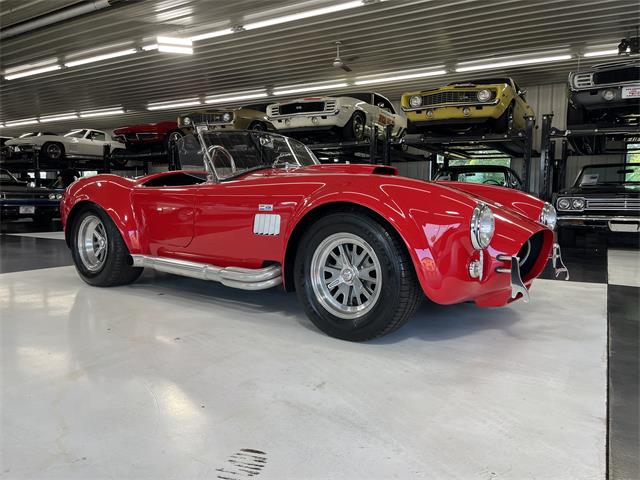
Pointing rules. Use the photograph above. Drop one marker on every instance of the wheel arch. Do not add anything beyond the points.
(319, 211)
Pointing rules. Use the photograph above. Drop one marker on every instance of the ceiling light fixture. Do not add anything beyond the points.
(102, 112)
(24, 121)
(511, 63)
(185, 42)
(601, 53)
(234, 97)
(30, 66)
(98, 58)
(395, 78)
(308, 88)
(301, 15)
(58, 117)
(153, 46)
(35, 71)
(175, 49)
(217, 33)
(174, 104)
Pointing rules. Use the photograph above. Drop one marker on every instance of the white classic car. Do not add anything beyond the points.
(352, 117)
(79, 143)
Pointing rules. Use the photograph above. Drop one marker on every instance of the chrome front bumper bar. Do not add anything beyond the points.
(517, 286)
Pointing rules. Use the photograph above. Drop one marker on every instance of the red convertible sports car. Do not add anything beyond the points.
(359, 244)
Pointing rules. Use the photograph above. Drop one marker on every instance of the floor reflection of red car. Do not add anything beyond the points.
(153, 136)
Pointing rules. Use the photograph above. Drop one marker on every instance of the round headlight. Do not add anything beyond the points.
(608, 95)
(466, 111)
(186, 121)
(415, 101)
(564, 204)
(548, 216)
(577, 204)
(484, 95)
(226, 117)
(429, 113)
(59, 196)
(52, 196)
(483, 226)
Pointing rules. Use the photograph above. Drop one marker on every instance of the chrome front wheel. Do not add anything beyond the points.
(93, 245)
(346, 275)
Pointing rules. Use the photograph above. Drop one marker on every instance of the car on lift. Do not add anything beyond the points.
(497, 175)
(352, 116)
(148, 136)
(249, 117)
(359, 244)
(495, 105)
(23, 199)
(605, 95)
(78, 143)
(603, 196)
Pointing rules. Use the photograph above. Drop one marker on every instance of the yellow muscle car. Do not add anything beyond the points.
(249, 117)
(495, 104)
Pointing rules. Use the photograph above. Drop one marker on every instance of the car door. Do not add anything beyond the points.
(386, 114)
(164, 215)
(96, 141)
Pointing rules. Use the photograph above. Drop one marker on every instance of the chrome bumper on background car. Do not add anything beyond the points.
(236, 277)
(614, 223)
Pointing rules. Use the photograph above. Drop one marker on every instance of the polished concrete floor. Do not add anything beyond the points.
(176, 378)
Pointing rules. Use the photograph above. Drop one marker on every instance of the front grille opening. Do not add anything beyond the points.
(529, 254)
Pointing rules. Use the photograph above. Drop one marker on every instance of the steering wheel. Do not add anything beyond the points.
(491, 181)
(218, 150)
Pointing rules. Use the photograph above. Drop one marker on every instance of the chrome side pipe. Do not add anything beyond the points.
(235, 277)
(517, 286)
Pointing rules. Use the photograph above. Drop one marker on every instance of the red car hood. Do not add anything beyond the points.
(160, 127)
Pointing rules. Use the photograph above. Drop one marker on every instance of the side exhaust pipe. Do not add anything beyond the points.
(235, 277)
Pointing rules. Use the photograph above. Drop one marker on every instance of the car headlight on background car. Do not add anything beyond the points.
(548, 216)
(483, 226)
(577, 204)
(226, 117)
(571, 203)
(52, 196)
(415, 101)
(608, 95)
(564, 204)
(484, 95)
(186, 121)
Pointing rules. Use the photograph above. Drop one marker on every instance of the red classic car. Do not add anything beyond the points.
(359, 244)
(147, 135)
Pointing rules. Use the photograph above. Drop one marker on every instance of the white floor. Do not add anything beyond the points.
(169, 377)
(624, 267)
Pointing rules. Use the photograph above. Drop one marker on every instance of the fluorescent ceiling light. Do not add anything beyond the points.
(98, 58)
(512, 63)
(153, 46)
(601, 53)
(308, 88)
(175, 49)
(234, 97)
(174, 104)
(58, 117)
(395, 78)
(217, 33)
(185, 42)
(301, 15)
(30, 66)
(102, 112)
(24, 121)
(35, 71)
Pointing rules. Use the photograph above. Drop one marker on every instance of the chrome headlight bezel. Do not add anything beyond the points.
(415, 101)
(549, 216)
(578, 204)
(484, 95)
(483, 226)
(571, 204)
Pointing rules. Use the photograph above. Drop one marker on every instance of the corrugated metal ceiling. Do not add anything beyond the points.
(385, 37)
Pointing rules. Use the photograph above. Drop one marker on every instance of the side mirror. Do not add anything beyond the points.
(522, 92)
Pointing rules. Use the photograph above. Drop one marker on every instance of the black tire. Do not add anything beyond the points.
(52, 152)
(117, 267)
(118, 157)
(399, 295)
(504, 123)
(258, 126)
(354, 129)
